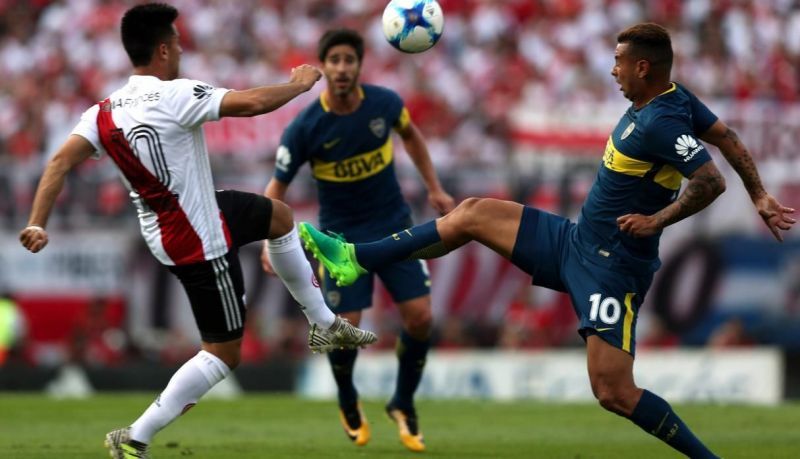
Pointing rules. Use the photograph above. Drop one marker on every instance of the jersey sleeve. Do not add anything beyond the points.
(400, 117)
(403, 121)
(87, 128)
(702, 117)
(672, 140)
(195, 102)
(291, 153)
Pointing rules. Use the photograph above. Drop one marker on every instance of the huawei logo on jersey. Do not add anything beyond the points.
(687, 146)
(202, 91)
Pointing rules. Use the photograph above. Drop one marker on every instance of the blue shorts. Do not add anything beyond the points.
(404, 280)
(606, 298)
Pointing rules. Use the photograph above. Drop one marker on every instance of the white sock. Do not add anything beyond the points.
(196, 377)
(291, 265)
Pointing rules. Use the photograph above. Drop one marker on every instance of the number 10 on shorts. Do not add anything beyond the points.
(608, 309)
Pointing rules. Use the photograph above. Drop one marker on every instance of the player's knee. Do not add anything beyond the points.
(467, 214)
(614, 398)
(232, 361)
(231, 357)
(419, 324)
(229, 352)
(609, 401)
(282, 219)
(468, 206)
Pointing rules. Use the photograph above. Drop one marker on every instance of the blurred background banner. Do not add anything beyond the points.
(516, 102)
(753, 376)
(84, 263)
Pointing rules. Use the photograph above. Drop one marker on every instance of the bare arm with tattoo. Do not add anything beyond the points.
(774, 214)
(737, 155)
(705, 184)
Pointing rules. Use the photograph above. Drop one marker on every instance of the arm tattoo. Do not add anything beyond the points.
(741, 160)
(701, 190)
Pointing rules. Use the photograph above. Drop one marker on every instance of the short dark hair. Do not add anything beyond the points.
(336, 37)
(144, 27)
(651, 42)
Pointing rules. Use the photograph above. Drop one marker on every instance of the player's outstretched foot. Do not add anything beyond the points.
(337, 255)
(341, 335)
(407, 427)
(120, 445)
(355, 424)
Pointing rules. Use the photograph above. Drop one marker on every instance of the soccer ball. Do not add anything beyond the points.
(413, 26)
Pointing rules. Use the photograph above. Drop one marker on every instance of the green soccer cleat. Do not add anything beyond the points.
(120, 446)
(337, 255)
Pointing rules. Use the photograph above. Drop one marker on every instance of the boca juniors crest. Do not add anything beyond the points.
(628, 131)
(378, 127)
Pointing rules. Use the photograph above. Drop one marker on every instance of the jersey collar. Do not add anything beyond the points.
(672, 88)
(143, 77)
(324, 103)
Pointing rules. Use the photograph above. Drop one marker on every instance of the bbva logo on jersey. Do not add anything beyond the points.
(687, 146)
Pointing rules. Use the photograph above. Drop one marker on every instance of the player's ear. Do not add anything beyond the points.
(642, 68)
(162, 51)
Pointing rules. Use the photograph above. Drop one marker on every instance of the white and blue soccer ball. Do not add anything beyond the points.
(413, 26)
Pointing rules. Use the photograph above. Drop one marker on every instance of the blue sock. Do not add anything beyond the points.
(421, 241)
(411, 355)
(342, 362)
(655, 416)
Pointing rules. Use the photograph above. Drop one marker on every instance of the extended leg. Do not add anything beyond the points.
(290, 264)
(611, 375)
(491, 222)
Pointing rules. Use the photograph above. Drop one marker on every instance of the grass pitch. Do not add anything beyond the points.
(282, 426)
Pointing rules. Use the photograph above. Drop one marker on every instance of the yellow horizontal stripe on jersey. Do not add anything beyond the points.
(669, 178)
(619, 162)
(354, 168)
(404, 119)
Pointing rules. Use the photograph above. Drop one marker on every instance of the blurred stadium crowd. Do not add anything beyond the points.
(496, 57)
(58, 57)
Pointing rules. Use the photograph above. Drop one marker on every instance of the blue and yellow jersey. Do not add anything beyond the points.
(352, 160)
(646, 157)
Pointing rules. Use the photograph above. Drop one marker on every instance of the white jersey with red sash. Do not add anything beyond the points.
(152, 130)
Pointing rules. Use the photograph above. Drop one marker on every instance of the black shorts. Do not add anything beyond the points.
(216, 287)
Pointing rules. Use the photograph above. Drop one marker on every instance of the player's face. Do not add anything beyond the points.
(341, 68)
(625, 71)
(174, 52)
